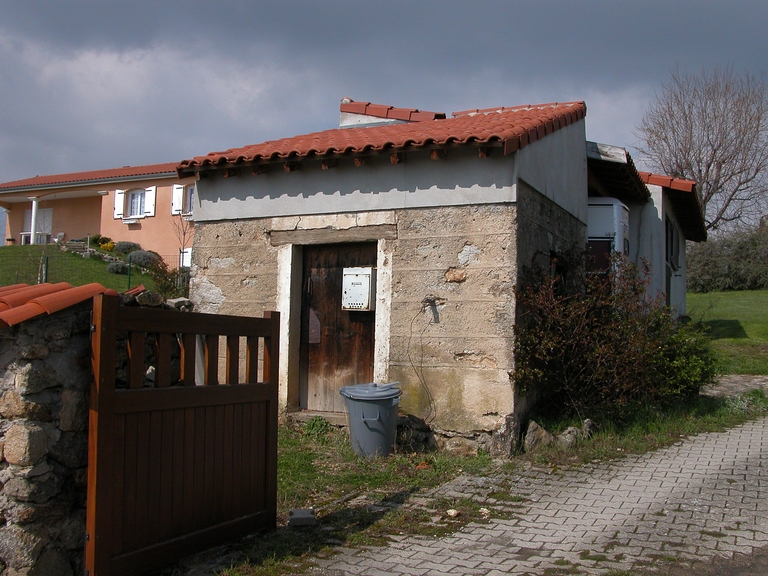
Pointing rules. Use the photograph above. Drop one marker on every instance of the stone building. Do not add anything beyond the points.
(447, 212)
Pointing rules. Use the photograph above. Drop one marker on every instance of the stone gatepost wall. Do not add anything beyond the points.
(45, 378)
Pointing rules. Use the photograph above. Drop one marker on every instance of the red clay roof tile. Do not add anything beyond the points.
(668, 181)
(384, 111)
(685, 201)
(514, 128)
(20, 302)
(167, 169)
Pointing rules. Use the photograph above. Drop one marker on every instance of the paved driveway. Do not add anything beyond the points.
(702, 498)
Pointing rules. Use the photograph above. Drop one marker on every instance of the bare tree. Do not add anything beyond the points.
(183, 228)
(712, 128)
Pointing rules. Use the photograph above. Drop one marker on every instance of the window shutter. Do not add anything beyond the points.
(177, 199)
(149, 201)
(119, 204)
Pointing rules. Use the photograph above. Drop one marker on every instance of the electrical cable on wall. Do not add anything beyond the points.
(428, 301)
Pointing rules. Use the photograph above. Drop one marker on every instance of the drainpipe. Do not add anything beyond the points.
(33, 224)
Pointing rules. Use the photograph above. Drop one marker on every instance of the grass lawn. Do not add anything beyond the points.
(23, 263)
(737, 322)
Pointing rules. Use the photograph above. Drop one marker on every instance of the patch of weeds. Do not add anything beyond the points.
(562, 571)
(664, 558)
(562, 562)
(619, 557)
(660, 513)
(317, 428)
(587, 555)
(713, 533)
(506, 496)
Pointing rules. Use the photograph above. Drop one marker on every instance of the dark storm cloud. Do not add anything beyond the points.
(98, 84)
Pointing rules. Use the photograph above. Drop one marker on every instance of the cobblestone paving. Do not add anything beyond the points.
(704, 497)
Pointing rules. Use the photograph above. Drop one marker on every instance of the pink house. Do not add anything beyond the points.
(149, 205)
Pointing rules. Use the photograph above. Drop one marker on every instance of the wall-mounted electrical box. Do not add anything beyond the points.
(358, 289)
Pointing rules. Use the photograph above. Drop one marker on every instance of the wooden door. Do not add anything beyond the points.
(336, 346)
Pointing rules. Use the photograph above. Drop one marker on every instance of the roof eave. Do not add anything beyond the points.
(88, 183)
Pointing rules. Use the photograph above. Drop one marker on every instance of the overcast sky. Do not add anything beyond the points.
(94, 84)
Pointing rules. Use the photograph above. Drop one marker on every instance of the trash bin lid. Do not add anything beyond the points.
(371, 391)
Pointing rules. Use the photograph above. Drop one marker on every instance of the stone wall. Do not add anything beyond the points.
(45, 379)
(452, 319)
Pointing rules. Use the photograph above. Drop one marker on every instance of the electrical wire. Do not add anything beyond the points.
(420, 370)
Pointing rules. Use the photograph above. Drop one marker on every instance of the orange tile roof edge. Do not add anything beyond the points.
(668, 181)
(685, 199)
(48, 302)
(165, 170)
(509, 128)
(389, 112)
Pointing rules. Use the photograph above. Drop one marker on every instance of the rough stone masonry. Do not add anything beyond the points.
(45, 379)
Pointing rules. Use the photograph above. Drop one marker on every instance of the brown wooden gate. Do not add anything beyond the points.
(174, 467)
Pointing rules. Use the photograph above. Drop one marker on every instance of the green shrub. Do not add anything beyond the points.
(117, 268)
(735, 261)
(124, 247)
(144, 259)
(171, 283)
(601, 343)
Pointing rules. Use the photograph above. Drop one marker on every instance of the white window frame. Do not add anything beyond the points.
(182, 199)
(124, 204)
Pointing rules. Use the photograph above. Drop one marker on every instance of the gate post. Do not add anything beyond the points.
(99, 503)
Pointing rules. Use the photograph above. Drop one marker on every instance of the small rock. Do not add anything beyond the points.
(151, 299)
(301, 517)
(456, 275)
(25, 444)
(536, 436)
(452, 513)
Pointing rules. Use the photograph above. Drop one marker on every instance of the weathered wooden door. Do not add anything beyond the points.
(336, 346)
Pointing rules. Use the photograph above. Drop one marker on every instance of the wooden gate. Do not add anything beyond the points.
(174, 467)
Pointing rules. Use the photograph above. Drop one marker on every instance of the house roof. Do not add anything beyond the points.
(508, 128)
(685, 201)
(21, 302)
(614, 168)
(91, 178)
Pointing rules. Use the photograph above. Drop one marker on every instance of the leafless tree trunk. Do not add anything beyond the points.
(712, 128)
(183, 228)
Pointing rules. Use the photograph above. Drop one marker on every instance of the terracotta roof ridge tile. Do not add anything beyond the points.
(46, 298)
(668, 181)
(20, 297)
(388, 112)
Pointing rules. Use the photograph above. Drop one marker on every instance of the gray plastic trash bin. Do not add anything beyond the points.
(372, 414)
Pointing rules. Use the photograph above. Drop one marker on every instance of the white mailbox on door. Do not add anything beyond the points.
(358, 289)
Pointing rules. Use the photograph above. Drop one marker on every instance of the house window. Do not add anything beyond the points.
(183, 200)
(189, 198)
(136, 204)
